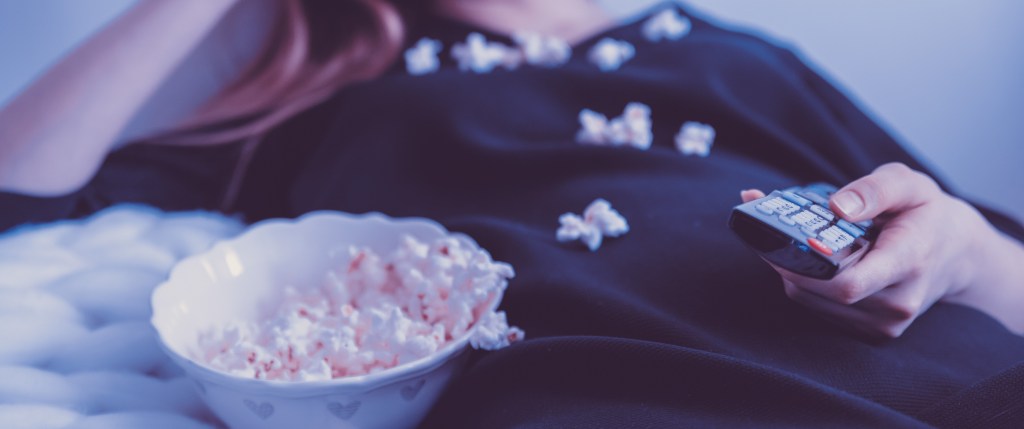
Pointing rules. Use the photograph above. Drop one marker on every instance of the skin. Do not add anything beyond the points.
(932, 247)
(570, 20)
(55, 134)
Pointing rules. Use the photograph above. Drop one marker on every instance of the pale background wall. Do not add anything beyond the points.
(946, 76)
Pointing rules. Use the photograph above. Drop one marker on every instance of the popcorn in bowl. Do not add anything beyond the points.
(370, 313)
(331, 320)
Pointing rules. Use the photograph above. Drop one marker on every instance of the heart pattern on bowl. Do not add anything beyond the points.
(409, 392)
(343, 412)
(263, 411)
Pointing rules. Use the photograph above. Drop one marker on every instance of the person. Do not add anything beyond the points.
(673, 324)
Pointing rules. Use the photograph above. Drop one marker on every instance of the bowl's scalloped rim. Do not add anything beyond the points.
(352, 384)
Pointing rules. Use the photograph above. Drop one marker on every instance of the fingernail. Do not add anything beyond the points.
(849, 203)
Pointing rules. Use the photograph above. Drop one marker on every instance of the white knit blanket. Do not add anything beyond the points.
(76, 347)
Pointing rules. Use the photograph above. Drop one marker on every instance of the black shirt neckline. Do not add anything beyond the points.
(450, 31)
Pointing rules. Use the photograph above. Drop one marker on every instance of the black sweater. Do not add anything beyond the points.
(675, 324)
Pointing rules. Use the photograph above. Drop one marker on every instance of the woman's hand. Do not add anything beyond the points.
(931, 246)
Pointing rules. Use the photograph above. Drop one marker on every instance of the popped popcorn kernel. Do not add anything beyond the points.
(574, 228)
(633, 128)
(695, 138)
(666, 25)
(599, 220)
(609, 54)
(493, 333)
(422, 58)
(481, 56)
(543, 51)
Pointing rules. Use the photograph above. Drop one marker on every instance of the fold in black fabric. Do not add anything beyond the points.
(20, 209)
(631, 383)
(675, 324)
(995, 403)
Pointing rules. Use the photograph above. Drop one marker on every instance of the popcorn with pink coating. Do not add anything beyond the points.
(668, 25)
(371, 313)
(598, 221)
(695, 138)
(633, 128)
(493, 332)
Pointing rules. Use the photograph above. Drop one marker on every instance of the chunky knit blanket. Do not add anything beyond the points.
(76, 347)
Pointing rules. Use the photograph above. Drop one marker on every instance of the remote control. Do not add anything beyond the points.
(794, 229)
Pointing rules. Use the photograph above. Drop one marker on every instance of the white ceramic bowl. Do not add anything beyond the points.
(229, 284)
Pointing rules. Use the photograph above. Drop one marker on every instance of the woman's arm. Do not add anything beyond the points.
(999, 285)
(56, 133)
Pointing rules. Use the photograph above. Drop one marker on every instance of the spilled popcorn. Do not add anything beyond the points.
(371, 313)
(599, 220)
(666, 25)
(543, 51)
(633, 128)
(695, 138)
(481, 56)
(422, 58)
(609, 54)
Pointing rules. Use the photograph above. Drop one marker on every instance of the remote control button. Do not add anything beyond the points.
(780, 206)
(831, 232)
(817, 198)
(850, 228)
(823, 212)
(810, 220)
(831, 239)
(838, 237)
(763, 208)
(796, 199)
(844, 239)
(787, 208)
(804, 217)
(819, 246)
(809, 232)
(787, 220)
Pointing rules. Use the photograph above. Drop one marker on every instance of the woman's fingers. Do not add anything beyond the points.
(900, 303)
(884, 315)
(751, 195)
(895, 257)
(859, 318)
(890, 188)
